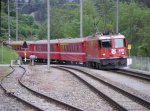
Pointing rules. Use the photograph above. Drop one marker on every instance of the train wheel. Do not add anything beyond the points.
(97, 65)
(84, 64)
(94, 65)
(89, 64)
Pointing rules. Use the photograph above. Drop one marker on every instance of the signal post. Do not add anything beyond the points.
(25, 46)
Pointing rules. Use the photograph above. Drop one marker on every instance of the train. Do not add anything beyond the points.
(97, 51)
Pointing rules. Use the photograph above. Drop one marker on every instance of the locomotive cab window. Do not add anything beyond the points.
(119, 43)
(105, 44)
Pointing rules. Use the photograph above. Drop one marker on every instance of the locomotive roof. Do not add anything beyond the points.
(111, 36)
(101, 37)
(72, 40)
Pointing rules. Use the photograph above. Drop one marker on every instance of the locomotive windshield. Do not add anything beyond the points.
(119, 43)
(105, 44)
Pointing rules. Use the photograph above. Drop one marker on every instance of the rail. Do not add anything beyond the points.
(135, 74)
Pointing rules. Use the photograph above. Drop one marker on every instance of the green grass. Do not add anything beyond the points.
(6, 55)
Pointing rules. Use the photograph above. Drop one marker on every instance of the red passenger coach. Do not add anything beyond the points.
(72, 50)
(106, 51)
(39, 49)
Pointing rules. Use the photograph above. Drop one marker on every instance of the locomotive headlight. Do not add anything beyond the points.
(103, 54)
(122, 53)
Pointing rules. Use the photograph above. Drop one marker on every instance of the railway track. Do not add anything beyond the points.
(118, 98)
(31, 98)
(14, 96)
(138, 75)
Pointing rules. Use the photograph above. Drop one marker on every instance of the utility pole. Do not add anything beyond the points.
(117, 16)
(48, 34)
(8, 21)
(16, 20)
(81, 18)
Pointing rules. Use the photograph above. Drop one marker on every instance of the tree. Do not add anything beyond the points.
(134, 23)
(105, 14)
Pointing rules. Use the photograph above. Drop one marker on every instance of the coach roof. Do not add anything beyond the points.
(19, 42)
(45, 41)
(72, 40)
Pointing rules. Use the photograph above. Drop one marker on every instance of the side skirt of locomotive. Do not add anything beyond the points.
(106, 63)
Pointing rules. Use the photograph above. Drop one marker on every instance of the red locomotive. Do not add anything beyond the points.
(98, 51)
(106, 51)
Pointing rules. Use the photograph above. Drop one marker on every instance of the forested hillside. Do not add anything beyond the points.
(98, 16)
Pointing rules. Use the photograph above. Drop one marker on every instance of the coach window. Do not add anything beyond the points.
(17, 47)
(68, 48)
(119, 43)
(80, 47)
(51, 48)
(73, 48)
(105, 44)
(45, 47)
(64, 48)
(41, 47)
(76, 48)
(37, 48)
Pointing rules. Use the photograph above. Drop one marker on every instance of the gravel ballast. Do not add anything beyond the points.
(64, 87)
(8, 103)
